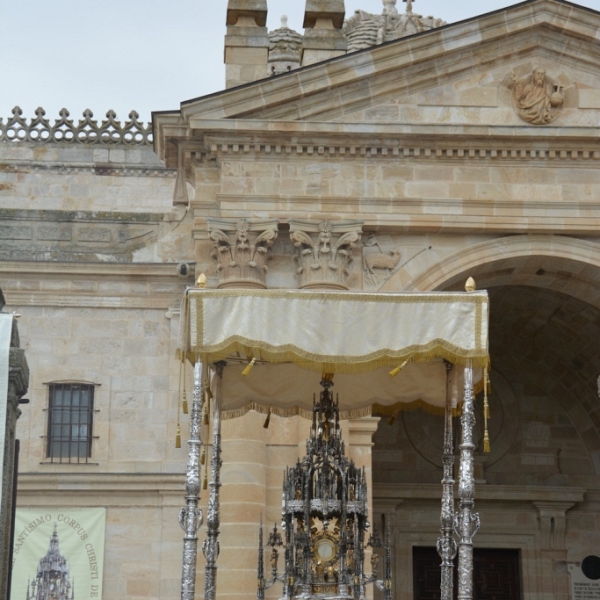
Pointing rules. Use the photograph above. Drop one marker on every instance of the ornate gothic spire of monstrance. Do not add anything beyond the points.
(324, 518)
(52, 581)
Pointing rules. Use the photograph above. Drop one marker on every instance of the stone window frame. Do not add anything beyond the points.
(70, 457)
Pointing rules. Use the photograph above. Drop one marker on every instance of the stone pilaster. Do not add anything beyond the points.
(323, 37)
(18, 381)
(241, 250)
(324, 252)
(246, 42)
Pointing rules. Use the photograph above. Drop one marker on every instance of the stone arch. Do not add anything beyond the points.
(562, 258)
(545, 322)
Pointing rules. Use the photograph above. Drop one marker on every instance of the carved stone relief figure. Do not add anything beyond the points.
(379, 260)
(536, 99)
(324, 252)
(241, 250)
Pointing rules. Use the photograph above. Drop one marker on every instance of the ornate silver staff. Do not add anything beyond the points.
(210, 547)
(466, 523)
(190, 517)
(446, 545)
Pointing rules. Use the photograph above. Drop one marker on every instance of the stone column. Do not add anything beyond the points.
(324, 252)
(241, 250)
(323, 37)
(243, 500)
(360, 450)
(18, 382)
(246, 42)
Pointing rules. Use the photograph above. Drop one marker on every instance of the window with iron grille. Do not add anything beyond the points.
(70, 420)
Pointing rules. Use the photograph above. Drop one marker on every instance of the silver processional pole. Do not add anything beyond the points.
(190, 517)
(210, 546)
(466, 522)
(446, 544)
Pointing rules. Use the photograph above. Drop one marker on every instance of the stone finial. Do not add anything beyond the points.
(285, 49)
(389, 7)
(323, 37)
(324, 252)
(329, 10)
(364, 30)
(241, 250)
(255, 9)
(246, 42)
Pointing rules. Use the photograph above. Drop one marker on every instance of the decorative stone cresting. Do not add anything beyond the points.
(65, 130)
(242, 250)
(324, 252)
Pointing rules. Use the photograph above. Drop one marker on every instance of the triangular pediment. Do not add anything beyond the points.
(458, 74)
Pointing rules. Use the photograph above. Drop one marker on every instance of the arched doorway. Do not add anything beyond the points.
(537, 487)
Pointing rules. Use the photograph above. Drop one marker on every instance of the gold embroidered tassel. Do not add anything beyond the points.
(247, 370)
(486, 443)
(486, 413)
(178, 437)
(206, 409)
(184, 404)
(268, 419)
(205, 481)
(397, 370)
(203, 455)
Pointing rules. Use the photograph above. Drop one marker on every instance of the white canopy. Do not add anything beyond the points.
(359, 336)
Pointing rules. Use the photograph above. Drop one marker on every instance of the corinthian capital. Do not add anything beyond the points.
(241, 250)
(324, 252)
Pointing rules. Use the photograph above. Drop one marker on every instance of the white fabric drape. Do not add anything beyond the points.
(340, 332)
(357, 336)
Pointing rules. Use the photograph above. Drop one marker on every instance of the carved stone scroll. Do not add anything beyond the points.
(242, 250)
(324, 252)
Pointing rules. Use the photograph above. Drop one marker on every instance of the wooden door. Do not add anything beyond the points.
(495, 574)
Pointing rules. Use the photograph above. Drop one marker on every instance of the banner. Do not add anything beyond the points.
(5, 335)
(58, 553)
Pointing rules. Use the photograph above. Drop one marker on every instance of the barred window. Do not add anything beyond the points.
(70, 420)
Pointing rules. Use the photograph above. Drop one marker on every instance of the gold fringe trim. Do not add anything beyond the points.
(394, 409)
(291, 411)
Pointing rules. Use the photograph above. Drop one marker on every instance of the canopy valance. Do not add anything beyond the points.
(335, 332)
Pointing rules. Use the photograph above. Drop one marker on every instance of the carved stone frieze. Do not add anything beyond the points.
(324, 252)
(241, 250)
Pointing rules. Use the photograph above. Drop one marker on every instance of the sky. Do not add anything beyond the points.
(141, 55)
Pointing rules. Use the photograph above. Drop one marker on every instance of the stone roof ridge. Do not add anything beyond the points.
(87, 130)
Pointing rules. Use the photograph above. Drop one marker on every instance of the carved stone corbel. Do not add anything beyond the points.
(241, 250)
(553, 523)
(324, 252)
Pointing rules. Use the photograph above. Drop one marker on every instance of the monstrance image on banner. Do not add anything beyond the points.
(58, 554)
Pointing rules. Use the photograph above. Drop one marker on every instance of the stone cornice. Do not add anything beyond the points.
(87, 270)
(139, 285)
(104, 489)
(485, 493)
(430, 215)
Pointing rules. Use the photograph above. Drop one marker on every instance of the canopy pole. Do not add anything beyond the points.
(210, 547)
(466, 521)
(190, 517)
(446, 545)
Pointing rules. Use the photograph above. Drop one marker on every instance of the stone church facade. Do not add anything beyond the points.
(413, 152)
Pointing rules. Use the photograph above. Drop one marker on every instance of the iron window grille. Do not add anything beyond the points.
(70, 422)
